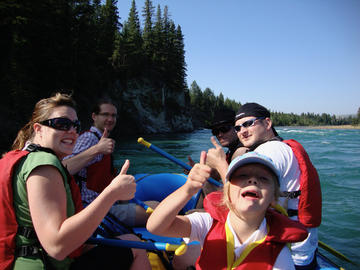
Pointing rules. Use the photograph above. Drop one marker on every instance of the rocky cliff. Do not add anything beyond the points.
(146, 108)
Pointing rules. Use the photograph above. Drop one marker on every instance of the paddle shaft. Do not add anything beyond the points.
(334, 252)
(127, 243)
(173, 159)
(147, 208)
(179, 249)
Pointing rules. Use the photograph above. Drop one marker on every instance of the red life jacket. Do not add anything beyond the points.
(99, 174)
(8, 223)
(310, 202)
(281, 230)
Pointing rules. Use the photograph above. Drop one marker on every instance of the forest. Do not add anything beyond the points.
(83, 47)
(205, 103)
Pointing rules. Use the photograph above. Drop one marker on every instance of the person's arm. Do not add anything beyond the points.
(75, 163)
(59, 234)
(165, 220)
(216, 158)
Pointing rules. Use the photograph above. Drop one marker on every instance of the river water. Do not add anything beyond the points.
(334, 152)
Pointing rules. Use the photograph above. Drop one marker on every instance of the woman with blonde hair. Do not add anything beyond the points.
(53, 227)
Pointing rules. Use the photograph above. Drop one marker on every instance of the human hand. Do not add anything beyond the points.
(198, 175)
(215, 155)
(124, 184)
(191, 163)
(105, 145)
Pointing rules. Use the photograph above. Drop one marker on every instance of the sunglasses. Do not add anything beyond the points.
(62, 123)
(223, 129)
(248, 123)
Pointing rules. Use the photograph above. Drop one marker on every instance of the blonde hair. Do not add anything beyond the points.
(42, 110)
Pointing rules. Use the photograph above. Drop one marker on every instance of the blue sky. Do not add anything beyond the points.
(288, 55)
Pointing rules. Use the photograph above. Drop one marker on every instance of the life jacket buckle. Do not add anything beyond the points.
(290, 194)
(27, 232)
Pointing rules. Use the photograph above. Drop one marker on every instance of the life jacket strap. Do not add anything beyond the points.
(34, 251)
(292, 212)
(27, 232)
(290, 194)
(29, 250)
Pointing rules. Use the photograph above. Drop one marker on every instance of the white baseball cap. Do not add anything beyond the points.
(249, 158)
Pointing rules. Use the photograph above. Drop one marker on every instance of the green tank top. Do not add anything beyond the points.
(21, 205)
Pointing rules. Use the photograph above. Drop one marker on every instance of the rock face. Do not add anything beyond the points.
(149, 109)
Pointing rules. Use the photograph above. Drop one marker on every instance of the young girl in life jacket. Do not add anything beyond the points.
(238, 230)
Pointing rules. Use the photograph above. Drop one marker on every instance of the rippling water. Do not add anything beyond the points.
(335, 154)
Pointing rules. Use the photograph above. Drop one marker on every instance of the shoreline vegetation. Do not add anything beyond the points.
(324, 127)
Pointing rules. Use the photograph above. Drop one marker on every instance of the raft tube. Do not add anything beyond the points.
(156, 187)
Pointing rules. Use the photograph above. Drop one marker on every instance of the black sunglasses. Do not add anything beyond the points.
(248, 123)
(62, 123)
(223, 129)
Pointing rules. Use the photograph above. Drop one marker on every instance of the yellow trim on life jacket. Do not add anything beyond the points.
(230, 248)
(280, 209)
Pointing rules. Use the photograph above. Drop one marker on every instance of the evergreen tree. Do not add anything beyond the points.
(220, 102)
(195, 94)
(109, 27)
(158, 57)
(179, 61)
(127, 58)
(148, 45)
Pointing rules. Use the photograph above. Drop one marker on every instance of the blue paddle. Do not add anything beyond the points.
(179, 249)
(173, 159)
(147, 208)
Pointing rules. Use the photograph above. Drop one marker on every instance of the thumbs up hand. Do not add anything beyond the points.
(124, 185)
(215, 155)
(198, 175)
(105, 145)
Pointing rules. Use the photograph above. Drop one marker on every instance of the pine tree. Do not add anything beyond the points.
(180, 59)
(148, 46)
(127, 58)
(158, 57)
(108, 28)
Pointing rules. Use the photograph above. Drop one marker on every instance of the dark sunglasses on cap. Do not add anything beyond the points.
(223, 129)
(248, 123)
(62, 123)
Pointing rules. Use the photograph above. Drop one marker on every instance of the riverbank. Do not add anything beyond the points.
(329, 127)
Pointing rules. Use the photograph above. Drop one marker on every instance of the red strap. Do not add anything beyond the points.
(76, 196)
